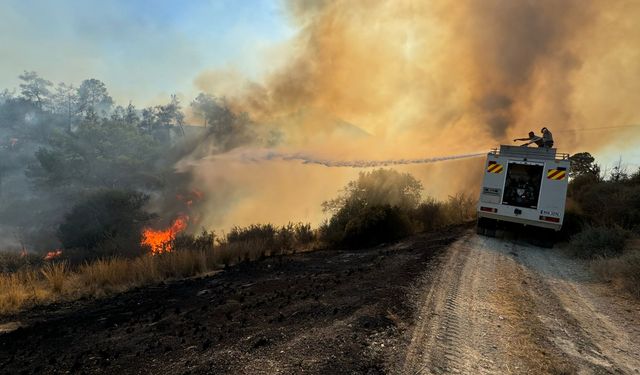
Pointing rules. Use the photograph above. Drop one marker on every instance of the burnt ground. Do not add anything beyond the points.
(325, 312)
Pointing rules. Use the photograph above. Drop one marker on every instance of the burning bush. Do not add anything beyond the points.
(107, 223)
(161, 241)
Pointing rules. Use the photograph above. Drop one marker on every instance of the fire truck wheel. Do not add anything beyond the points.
(479, 228)
(490, 232)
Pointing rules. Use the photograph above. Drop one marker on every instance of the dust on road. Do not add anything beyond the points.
(499, 306)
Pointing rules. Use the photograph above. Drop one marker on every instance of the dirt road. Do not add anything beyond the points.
(499, 306)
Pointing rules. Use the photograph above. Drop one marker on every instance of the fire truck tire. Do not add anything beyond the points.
(479, 228)
(486, 227)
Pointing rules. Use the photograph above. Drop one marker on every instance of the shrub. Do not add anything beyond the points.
(429, 215)
(269, 239)
(372, 209)
(331, 232)
(303, 233)
(572, 224)
(580, 183)
(285, 238)
(205, 241)
(264, 232)
(384, 205)
(624, 270)
(107, 223)
(13, 261)
(224, 254)
(375, 225)
(459, 208)
(378, 188)
(595, 242)
(611, 203)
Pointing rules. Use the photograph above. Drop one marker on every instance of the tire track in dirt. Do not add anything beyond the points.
(588, 321)
(449, 337)
(495, 306)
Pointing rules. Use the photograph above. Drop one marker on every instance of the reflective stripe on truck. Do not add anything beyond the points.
(494, 167)
(557, 173)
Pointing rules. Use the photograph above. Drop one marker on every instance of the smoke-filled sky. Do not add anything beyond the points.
(143, 50)
(344, 80)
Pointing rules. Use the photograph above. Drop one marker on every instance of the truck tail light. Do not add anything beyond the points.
(550, 219)
(488, 209)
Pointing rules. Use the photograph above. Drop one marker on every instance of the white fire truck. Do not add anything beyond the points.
(523, 185)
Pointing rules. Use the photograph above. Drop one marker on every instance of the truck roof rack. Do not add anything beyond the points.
(529, 152)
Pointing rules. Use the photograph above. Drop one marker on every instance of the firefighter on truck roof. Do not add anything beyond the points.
(547, 137)
(532, 138)
(545, 141)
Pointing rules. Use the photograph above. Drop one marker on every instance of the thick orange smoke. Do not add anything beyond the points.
(159, 241)
(415, 79)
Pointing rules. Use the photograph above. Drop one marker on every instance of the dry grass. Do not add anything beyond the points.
(23, 287)
(56, 275)
(107, 275)
(623, 271)
(57, 281)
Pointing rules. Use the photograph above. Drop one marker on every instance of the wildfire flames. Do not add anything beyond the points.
(160, 240)
(53, 254)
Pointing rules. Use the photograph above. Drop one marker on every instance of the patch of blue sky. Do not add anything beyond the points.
(142, 49)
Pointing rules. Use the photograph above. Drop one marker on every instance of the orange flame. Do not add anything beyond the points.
(160, 240)
(53, 254)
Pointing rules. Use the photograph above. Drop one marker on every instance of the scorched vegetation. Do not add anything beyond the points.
(380, 206)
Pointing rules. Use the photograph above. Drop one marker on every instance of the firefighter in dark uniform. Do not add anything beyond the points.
(547, 138)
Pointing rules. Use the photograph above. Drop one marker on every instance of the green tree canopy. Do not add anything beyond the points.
(105, 153)
(34, 88)
(108, 222)
(583, 163)
(93, 96)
